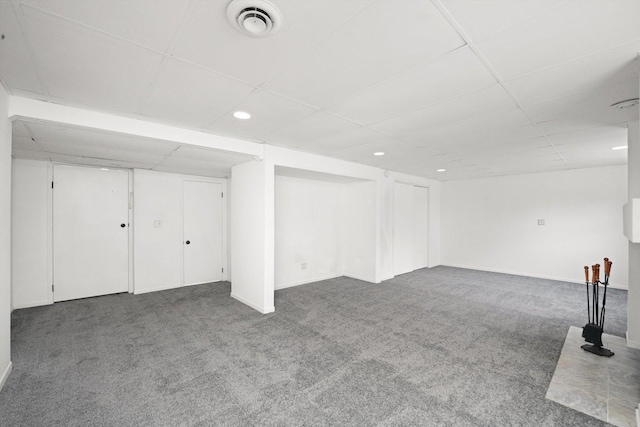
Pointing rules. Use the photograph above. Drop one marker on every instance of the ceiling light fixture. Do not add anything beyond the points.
(627, 103)
(242, 115)
(620, 147)
(441, 170)
(256, 18)
(379, 153)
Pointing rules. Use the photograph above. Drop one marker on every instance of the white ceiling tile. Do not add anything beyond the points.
(208, 38)
(189, 94)
(29, 154)
(597, 156)
(392, 149)
(606, 137)
(598, 99)
(24, 143)
(212, 171)
(269, 112)
(84, 66)
(194, 167)
(209, 155)
(357, 57)
(89, 161)
(589, 73)
(317, 126)
(452, 110)
(147, 22)
(531, 151)
(519, 137)
(52, 133)
(480, 19)
(455, 74)
(570, 31)
(592, 119)
(100, 152)
(592, 162)
(513, 120)
(17, 70)
(346, 140)
(513, 167)
(19, 128)
(28, 94)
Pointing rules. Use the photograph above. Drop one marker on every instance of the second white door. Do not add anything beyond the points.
(202, 239)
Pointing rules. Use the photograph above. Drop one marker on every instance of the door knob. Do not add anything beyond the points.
(122, 225)
(187, 242)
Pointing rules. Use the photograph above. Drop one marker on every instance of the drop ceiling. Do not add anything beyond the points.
(479, 88)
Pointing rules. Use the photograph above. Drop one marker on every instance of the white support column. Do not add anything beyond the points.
(5, 237)
(633, 310)
(252, 235)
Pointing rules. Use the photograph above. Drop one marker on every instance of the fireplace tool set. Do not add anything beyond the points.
(592, 331)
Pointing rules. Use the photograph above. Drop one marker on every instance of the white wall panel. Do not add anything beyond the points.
(360, 240)
(309, 219)
(30, 225)
(492, 224)
(403, 232)
(5, 237)
(633, 311)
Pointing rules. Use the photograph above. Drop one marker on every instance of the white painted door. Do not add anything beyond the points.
(420, 227)
(90, 232)
(202, 232)
(403, 257)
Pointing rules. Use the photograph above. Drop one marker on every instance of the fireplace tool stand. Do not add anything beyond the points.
(592, 331)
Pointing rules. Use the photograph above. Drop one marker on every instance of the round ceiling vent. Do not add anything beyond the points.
(257, 18)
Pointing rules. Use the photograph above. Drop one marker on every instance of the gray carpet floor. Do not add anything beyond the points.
(441, 346)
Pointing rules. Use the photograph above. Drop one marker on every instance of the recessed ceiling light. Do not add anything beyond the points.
(620, 147)
(104, 169)
(242, 115)
(441, 170)
(379, 153)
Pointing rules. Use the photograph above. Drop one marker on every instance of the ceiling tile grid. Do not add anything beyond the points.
(476, 86)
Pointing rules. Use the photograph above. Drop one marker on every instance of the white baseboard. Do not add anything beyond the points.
(5, 375)
(632, 344)
(252, 305)
(537, 276)
(306, 281)
(31, 304)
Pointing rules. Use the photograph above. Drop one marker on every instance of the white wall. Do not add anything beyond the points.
(491, 224)
(633, 300)
(30, 231)
(361, 231)
(158, 261)
(5, 237)
(308, 229)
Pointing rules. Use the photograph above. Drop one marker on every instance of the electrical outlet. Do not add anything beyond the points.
(541, 222)
(303, 266)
